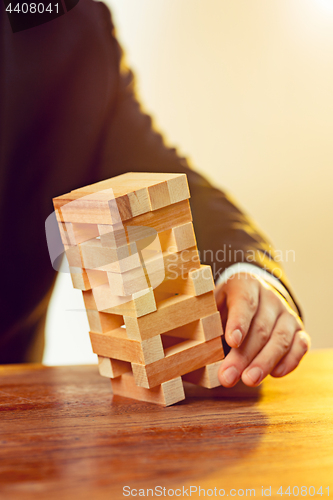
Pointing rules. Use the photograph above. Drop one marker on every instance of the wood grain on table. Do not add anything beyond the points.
(64, 436)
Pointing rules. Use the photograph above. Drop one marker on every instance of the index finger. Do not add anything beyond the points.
(242, 300)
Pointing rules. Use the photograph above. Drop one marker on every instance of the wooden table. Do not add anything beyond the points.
(64, 436)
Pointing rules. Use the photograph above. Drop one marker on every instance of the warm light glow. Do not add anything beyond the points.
(245, 88)
(327, 4)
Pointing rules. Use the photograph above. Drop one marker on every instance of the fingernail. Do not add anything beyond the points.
(278, 372)
(236, 337)
(255, 375)
(230, 375)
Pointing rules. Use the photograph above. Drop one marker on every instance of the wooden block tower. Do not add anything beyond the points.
(153, 319)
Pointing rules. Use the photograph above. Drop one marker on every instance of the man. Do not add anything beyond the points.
(69, 118)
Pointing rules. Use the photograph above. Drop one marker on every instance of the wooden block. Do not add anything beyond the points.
(156, 268)
(117, 193)
(196, 282)
(86, 279)
(164, 189)
(115, 344)
(92, 255)
(121, 198)
(66, 233)
(212, 325)
(160, 220)
(128, 283)
(179, 359)
(121, 259)
(207, 376)
(103, 322)
(92, 208)
(174, 265)
(73, 234)
(73, 255)
(166, 394)
(159, 195)
(80, 278)
(89, 300)
(176, 183)
(202, 329)
(142, 192)
(171, 313)
(202, 280)
(165, 272)
(112, 236)
(143, 237)
(136, 305)
(178, 189)
(139, 201)
(178, 238)
(112, 368)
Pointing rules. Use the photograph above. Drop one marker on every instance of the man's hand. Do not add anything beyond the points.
(265, 334)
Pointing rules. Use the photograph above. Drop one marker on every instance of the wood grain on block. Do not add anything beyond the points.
(103, 322)
(178, 238)
(85, 279)
(115, 344)
(171, 313)
(125, 184)
(121, 259)
(58, 215)
(207, 376)
(89, 300)
(157, 270)
(66, 233)
(212, 325)
(161, 266)
(112, 236)
(166, 394)
(112, 368)
(73, 255)
(178, 189)
(128, 283)
(176, 183)
(144, 237)
(196, 282)
(80, 278)
(136, 305)
(159, 195)
(99, 207)
(202, 329)
(160, 220)
(73, 234)
(163, 189)
(132, 194)
(179, 359)
(172, 265)
(202, 280)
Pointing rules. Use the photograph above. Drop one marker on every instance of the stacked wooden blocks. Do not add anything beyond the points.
(153, 319)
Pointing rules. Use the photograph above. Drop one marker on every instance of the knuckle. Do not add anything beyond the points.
(283, 336)
(250, 298)
(262, 330)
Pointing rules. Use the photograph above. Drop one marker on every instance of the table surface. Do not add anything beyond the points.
(63, 435)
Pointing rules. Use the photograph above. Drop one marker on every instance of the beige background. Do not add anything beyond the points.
(244, 88)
